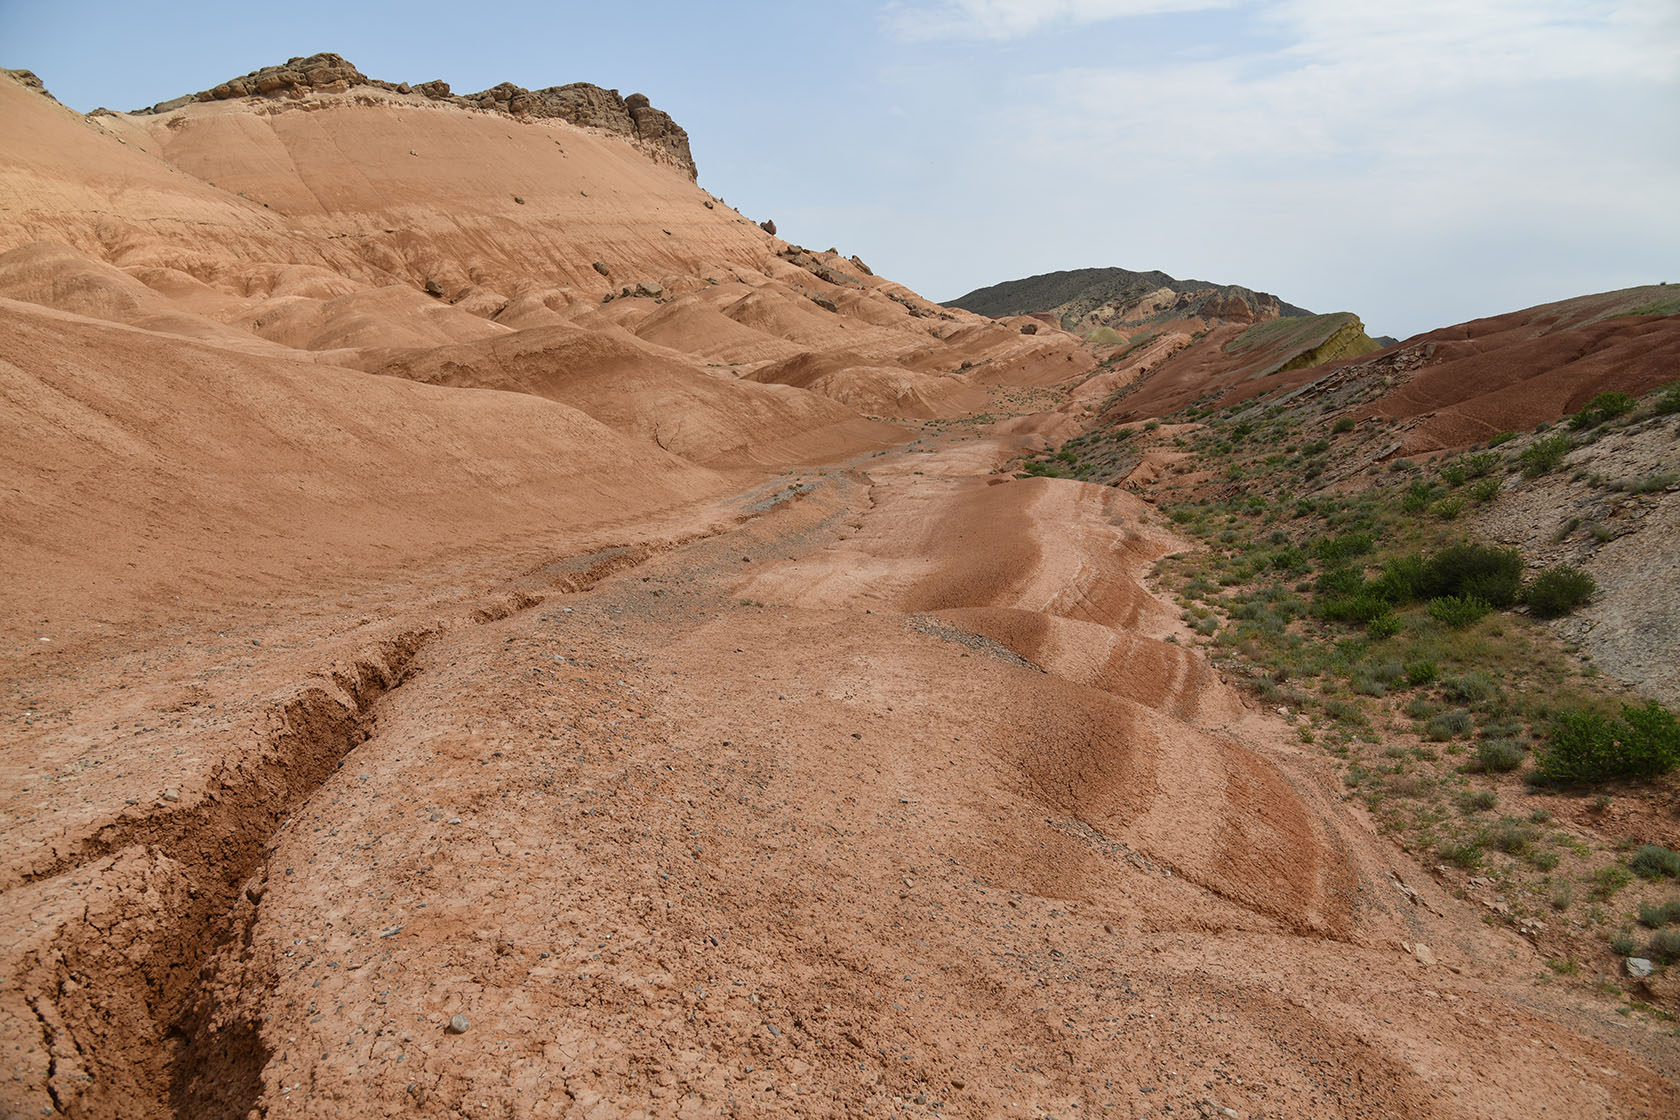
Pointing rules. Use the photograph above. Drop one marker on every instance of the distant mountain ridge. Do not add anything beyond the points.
(1085, 299)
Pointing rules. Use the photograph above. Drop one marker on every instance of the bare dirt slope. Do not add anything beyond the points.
(436, 688)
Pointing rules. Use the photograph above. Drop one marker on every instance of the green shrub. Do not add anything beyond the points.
(1493, 574)
(1512, 837)
(1482, 463)
(1385, 625)
(1420, 672)
(1448, 725)
(1468, 688)
(1559, 590)
(1544, 454)
(1364, 683)
(1623, 944)
(1605, 406)
(1342, 547)
(1665, 946)
(1466, 854)
(1662, 914)
(1498, 438)
(1653, 861)
(1455, 472)
(1345, 424)
(1486, 489)
(1608, 880)
(1354, 608)
(1458, 611)
(1418, 496)
(1669, 402)
(1498, 756)
(1338, 582)
(1585, 746)
(1480, 801)
(1403, 579)
(1448, 509)
(1289, 559)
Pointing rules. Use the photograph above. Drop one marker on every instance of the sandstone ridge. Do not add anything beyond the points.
(580, 103)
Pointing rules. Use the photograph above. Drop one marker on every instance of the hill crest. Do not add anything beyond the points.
(1086, 299)
(581, 103)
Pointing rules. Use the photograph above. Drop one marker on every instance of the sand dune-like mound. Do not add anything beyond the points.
(699, 327)
(52, 274)
(178, 448)
(646, 397)
(877, 390)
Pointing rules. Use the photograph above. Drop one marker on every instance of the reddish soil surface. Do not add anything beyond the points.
(603, 712)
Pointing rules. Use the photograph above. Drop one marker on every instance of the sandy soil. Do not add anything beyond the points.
(508, 701)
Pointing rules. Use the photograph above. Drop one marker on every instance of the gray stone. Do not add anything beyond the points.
(459, 1024)
(1639, 967)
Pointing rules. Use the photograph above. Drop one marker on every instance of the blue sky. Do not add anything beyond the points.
(1419, 162)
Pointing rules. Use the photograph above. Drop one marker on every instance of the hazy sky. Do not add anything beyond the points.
(1419, 162)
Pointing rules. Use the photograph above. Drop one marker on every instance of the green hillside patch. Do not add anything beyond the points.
(1300, 343)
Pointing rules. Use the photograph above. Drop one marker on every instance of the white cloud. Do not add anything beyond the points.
(1011, 19)
(1416, 160)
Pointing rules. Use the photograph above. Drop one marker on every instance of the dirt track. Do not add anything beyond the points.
(806, 814)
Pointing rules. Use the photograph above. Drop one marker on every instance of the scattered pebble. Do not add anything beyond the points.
(459, 1024)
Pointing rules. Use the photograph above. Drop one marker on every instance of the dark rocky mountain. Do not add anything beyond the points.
(1085, 299)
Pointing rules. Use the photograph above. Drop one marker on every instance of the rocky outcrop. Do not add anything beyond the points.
(588, 106)
(1088, 299)
(28, 80)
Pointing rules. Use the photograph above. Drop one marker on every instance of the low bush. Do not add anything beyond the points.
(1480, 801)
(1557, 591)
(1608, 880)
(1385, 625)
(1586, 746)
(1664, 946)
(1498, 756)
(1544, 454)
(1653, 861)
(1363, 607)
(1482, 463)
(1468, 688)
(1458, 611)
(1342, 547)
(1466, 853)
(1662, 914)
(1448, 725)
(1486, 489)
(1493, 574)
(1511, 837)
(1605, 406)
(1448, 509)
(1420, 672)
(1669, 402)
(1623, 945)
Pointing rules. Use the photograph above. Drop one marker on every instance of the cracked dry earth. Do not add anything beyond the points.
(879, 791)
